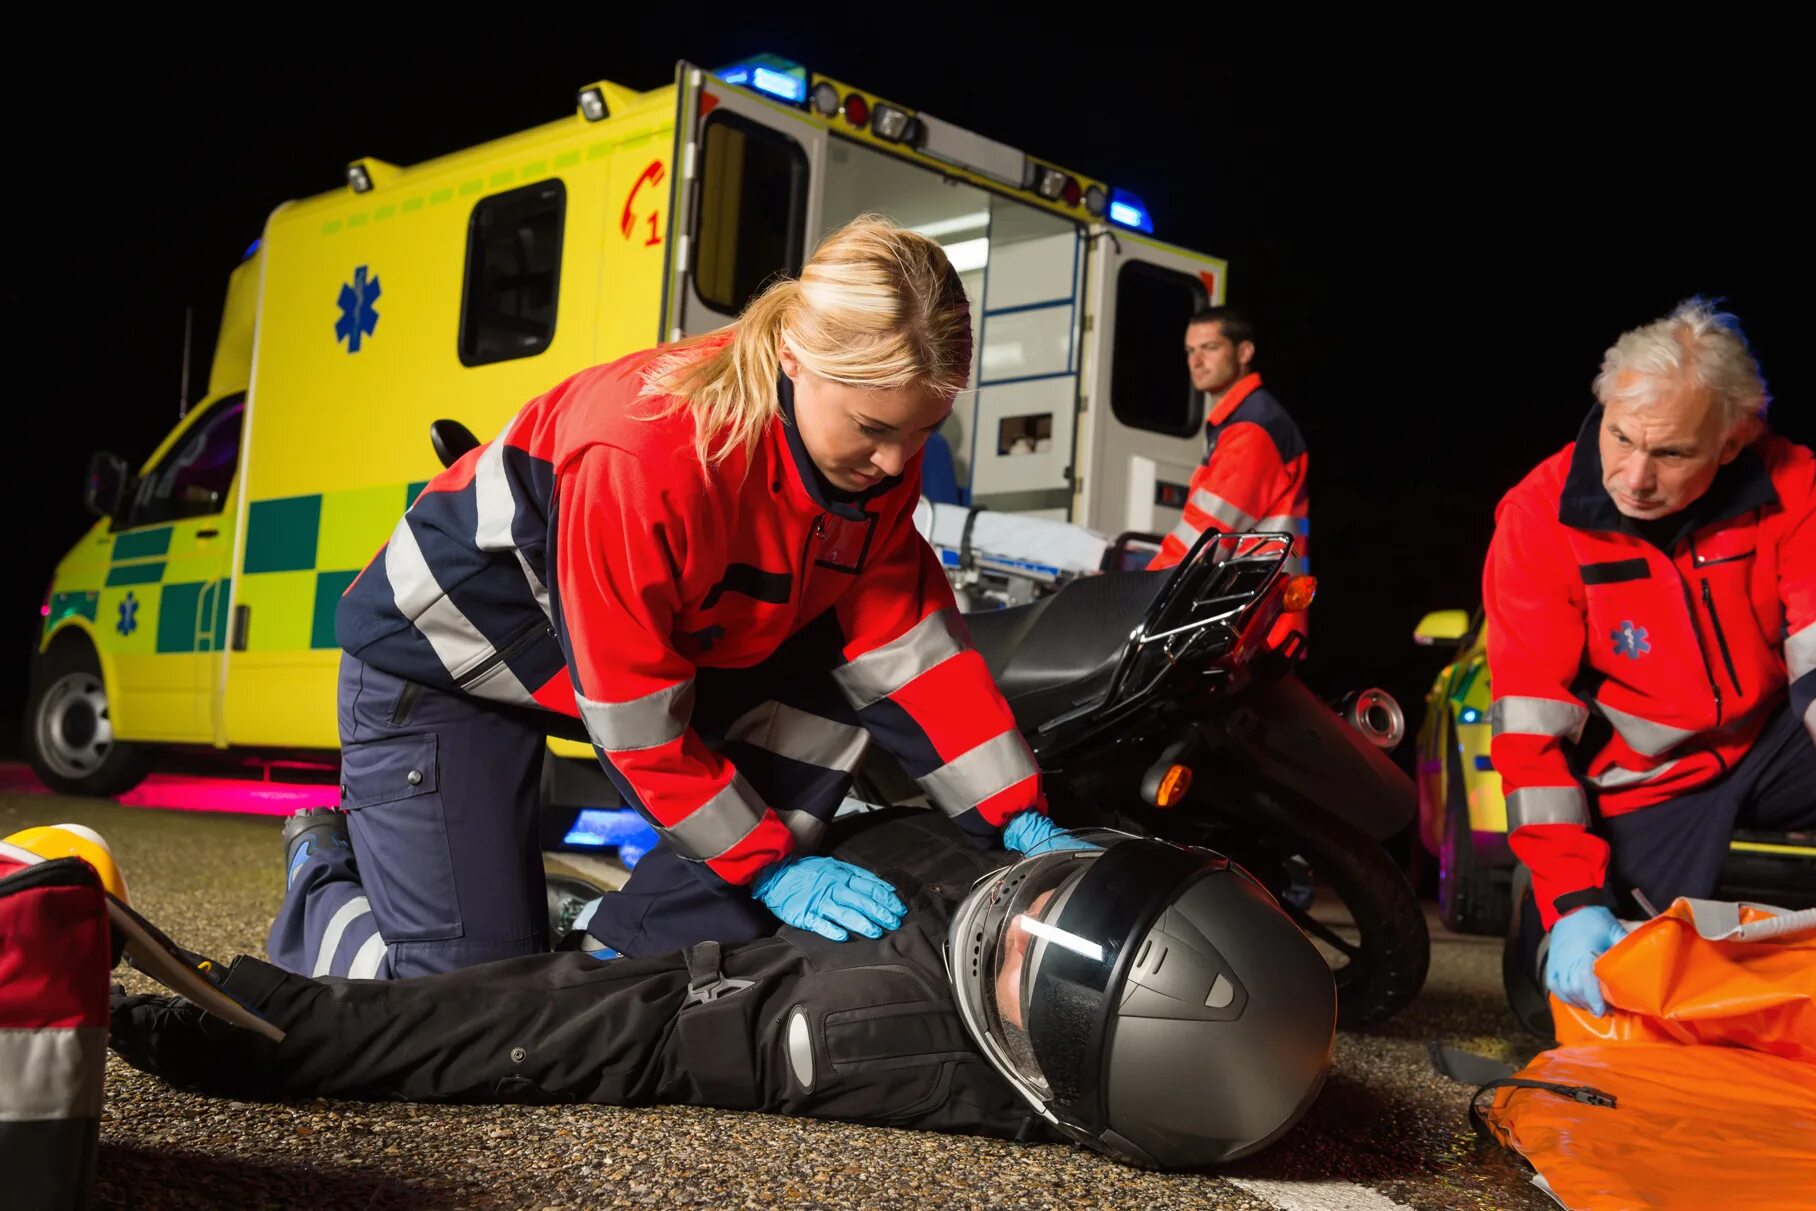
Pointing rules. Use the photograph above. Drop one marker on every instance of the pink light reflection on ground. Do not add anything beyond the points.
(183, 793)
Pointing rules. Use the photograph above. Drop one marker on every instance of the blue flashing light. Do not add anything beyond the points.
(1470, 715)
(251, 248)
(620, 828)
(776, 84)
(769, 74)
(1484, 764)
(1127, 210)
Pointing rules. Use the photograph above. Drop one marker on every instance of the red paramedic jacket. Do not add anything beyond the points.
(586, 562)
(1252, 479)
(1684, 651)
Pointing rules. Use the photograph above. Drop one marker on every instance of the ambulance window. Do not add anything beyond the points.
(513, 274)
(194, 476)
(1150, 387)
(753, 210)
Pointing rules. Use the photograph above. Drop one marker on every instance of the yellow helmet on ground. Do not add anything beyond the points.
(75, 841)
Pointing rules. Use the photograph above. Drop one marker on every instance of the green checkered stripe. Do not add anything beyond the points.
(301, 554)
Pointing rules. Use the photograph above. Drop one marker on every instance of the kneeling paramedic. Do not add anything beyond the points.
(705, 553)
(1147, 1000)
(1651, 602)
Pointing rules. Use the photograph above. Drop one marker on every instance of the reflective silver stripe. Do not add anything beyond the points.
(1226, 513)
(802, 736)
(881, 672)
(1617, 776)
(806, 828)
(457, 642)
(366, 961)
(497, 510)
(52, 1072)
(1643, 735)
(1284, 522)
(1800, 651)
(625, 727)
(1187, 533)
(719, 823)
(992, 767)
(1547, 805)
(343, 916)
(1517, 716)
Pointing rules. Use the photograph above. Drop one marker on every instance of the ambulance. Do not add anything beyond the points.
(197, 613)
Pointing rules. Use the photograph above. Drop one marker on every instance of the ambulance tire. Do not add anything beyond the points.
(1470, 899)
(68, 735)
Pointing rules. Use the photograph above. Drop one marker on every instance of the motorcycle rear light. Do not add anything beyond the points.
(1173, 786)
(1299, 593)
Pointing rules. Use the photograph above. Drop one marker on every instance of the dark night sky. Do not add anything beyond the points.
(1437, 245)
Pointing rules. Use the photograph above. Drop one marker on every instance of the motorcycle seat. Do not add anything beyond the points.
(1057, 652)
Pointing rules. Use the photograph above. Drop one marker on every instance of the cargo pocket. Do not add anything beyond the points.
(391, 789)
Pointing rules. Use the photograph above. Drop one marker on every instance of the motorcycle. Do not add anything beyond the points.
(1154, 704)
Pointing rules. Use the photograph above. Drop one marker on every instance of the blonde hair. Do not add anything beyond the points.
(875, 306)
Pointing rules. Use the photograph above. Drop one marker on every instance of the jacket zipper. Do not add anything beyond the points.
(819, 528)
(504, 653)
(1701, 650)
(1720, 638)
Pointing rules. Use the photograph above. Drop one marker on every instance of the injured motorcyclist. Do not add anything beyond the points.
(1147, 1000)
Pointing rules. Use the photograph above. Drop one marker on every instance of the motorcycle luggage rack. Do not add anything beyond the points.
(1219, 578)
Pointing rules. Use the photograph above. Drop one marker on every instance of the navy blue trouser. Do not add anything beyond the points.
(1677, 848)
(442, 793)
(446, 870)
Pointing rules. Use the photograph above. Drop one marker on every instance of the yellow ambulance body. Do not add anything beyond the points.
(198, 611)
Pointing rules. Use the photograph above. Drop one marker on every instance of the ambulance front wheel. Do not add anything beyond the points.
(69, 737)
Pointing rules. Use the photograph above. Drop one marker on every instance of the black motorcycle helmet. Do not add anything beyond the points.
(1150, 1000)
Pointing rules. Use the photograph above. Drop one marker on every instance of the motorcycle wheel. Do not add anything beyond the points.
(1362, 916)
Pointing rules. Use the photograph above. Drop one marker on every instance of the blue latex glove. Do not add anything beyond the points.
(1577, 940)
(829, 897)
(1030, 833)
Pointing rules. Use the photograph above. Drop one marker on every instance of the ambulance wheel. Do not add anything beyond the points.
(1470, 901)
(69, 736)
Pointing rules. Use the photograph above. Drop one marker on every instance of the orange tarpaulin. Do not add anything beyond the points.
(1708, 1051)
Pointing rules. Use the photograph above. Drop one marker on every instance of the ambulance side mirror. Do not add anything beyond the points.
(105, 492)
(451, 439)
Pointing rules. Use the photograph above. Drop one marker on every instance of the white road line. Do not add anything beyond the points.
(1316, 1196)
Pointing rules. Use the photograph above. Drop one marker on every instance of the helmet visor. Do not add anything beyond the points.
(1019, 931)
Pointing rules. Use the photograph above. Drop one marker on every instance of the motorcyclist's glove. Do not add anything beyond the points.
(1030, 833)
(829, 897)
(1577, 940)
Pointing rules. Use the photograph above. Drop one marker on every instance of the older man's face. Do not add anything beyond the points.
(1658, 458)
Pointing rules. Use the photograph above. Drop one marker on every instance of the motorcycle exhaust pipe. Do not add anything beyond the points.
(1375, 714)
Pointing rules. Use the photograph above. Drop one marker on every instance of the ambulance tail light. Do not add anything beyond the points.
(358, 178)
(1097, 200)
(1053, 185)
(895, 125)
(857, 110)
(1127, 210)
(592, 104)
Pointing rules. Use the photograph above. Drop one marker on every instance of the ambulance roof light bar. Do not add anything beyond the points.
(1127, 210)
(771, 75)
